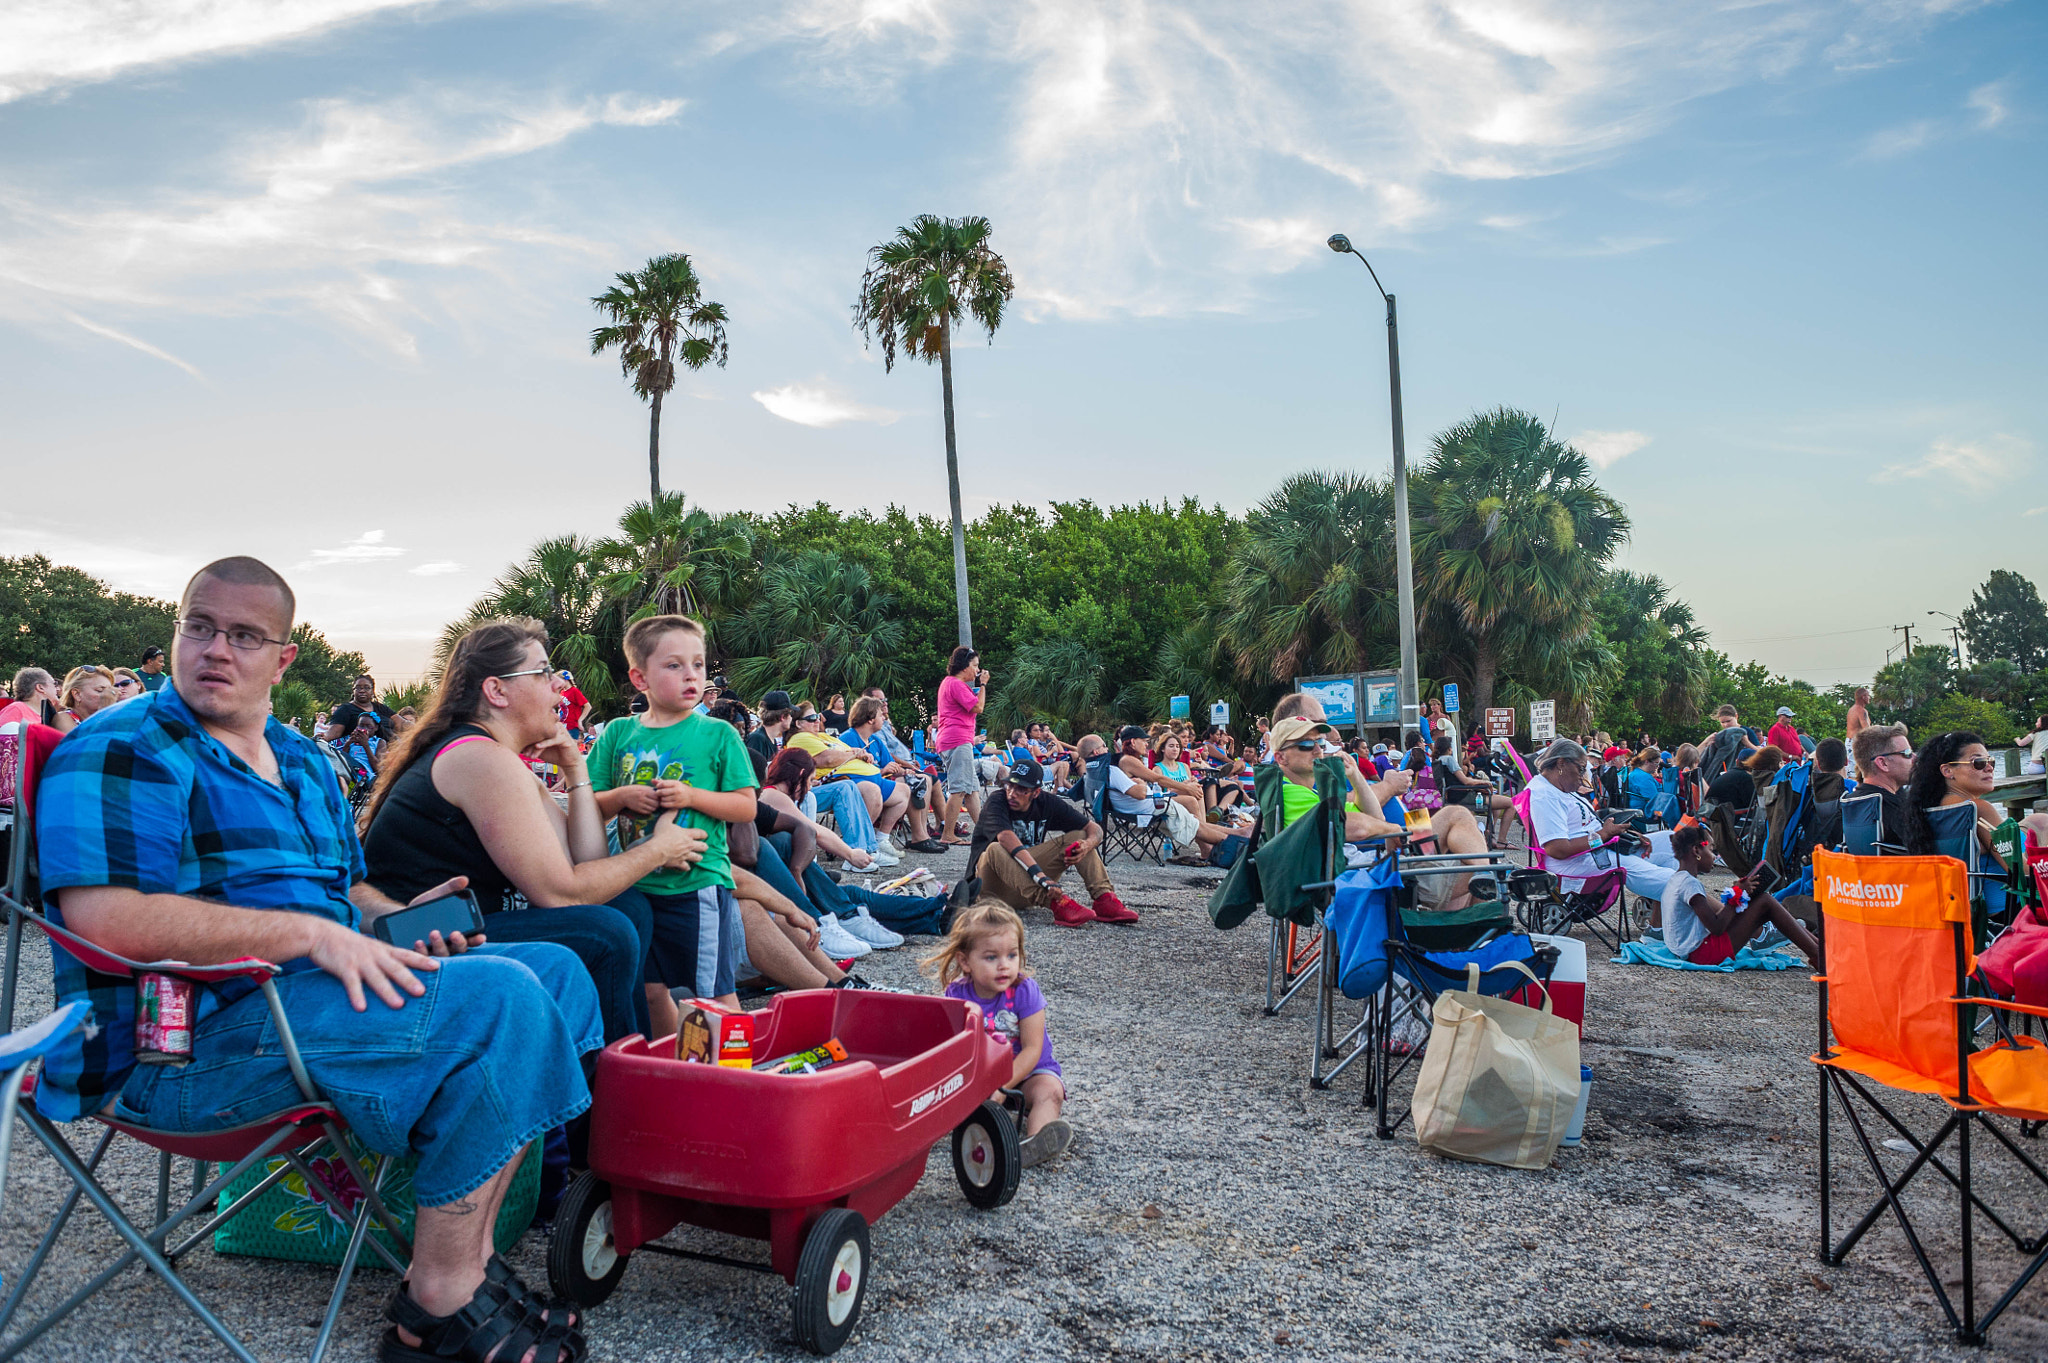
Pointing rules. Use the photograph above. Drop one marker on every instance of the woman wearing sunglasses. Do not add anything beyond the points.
(1950, 769)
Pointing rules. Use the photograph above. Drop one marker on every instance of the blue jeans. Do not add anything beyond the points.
(842, 799)
(465, 1076)
(610, 939)
(819, 896)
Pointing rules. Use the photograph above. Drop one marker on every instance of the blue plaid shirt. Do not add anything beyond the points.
(141, 795)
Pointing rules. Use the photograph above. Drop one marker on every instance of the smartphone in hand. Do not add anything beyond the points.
(448, 915)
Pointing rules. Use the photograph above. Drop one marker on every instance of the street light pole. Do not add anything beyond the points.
(1404, 560)
(1955, 632)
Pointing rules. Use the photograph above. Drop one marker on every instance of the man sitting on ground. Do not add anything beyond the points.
(1699, 928)
(190, 825)
(1028, 838)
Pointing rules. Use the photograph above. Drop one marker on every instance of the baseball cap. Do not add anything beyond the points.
(1295, 728)
(1130, 731)
(1025, 772)
(1785, 710)
(1379, 748)
(777, 700)
(151, 652)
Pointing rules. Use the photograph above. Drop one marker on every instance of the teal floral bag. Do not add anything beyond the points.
(291, 1221)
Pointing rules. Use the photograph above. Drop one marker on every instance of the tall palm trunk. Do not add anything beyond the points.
(654, 454)
(1485, 668)
(953, 485)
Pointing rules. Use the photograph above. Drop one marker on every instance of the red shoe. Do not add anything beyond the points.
(1070, 913)
(1110, 909)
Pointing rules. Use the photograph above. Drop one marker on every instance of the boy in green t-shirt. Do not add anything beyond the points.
(676, 757)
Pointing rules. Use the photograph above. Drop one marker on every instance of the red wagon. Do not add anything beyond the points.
(804, 1162)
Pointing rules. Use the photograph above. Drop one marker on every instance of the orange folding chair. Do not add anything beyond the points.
(1899, 959)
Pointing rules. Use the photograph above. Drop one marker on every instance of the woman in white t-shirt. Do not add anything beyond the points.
(1572, 836)
(2036, 744)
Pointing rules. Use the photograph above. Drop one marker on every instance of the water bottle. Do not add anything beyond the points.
(1578, 1126)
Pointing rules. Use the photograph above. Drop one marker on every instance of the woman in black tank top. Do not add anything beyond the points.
(455, 798)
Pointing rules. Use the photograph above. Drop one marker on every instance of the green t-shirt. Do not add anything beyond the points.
(1296, 800)
(699, 751)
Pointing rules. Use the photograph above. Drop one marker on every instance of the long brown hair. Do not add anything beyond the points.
(490, 649)
(792, 770)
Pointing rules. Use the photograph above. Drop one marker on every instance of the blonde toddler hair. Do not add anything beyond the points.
(983, 918)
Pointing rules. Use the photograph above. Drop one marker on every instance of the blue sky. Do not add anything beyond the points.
(308, 278)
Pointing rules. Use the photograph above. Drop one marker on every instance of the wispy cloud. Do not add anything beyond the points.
(46, 44)
(364, 548)
(1979, 465)
(340, 215)
(1604, 449)
(2035, 511)
(1991, 104)
(816, 405)
(1160, 156)
(124, 338)
(1898, 141)
(438, 569)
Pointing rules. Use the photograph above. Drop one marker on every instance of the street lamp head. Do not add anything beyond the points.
(1340, 243)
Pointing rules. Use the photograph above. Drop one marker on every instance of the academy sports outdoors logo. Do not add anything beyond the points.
(1863, 892)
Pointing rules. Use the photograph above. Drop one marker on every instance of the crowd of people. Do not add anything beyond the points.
(699, 846)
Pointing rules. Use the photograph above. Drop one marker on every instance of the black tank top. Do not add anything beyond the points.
(419, 840)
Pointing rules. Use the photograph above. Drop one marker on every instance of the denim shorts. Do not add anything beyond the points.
(463, 1076)
(881, 783)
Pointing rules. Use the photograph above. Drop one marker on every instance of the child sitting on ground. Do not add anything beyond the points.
(982, 962)
(1699, 928)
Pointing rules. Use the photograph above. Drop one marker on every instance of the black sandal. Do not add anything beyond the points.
(499, 1317)
(558, 1308)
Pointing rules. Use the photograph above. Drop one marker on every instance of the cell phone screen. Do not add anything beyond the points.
(450, 914)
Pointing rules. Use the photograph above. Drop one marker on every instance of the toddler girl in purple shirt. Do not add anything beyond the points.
(982, 961)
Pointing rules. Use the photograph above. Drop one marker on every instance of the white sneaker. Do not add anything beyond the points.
(864, 926)
(836, 942)
(867, 870)
(882, 856)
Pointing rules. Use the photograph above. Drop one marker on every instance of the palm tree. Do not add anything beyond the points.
(557, 585)
(658, 317)
(1512, 537)
(670, 558)
(917, 285)
(1310, 588)
(818, 624)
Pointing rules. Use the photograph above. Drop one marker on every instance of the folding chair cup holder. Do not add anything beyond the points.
(303, 1138)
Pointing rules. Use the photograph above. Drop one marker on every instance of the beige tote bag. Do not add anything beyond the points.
(1499, 1081)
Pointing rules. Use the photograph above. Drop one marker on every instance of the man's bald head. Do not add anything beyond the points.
(247, 572)
(1298, 704)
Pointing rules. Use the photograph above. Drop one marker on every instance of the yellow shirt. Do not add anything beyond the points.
(818, 743)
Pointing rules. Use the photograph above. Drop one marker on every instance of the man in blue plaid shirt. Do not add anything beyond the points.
(189, 825)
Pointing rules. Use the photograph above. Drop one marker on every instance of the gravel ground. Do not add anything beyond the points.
(1215, 1207)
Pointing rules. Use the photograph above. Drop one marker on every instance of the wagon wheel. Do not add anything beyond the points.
(831, 1280)
(584, 1263)
(987, 1158)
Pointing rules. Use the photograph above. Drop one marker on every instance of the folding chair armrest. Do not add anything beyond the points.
(2007, 1004)
(96, 957)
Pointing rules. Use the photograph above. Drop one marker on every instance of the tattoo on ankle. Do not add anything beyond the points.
(460, 1207)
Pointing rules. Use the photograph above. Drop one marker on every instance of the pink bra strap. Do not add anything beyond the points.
(466, 738)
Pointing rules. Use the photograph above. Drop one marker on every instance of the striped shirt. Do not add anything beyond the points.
(142, 796)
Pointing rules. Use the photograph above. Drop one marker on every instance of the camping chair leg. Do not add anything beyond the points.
(1891, 1200)
(1827, 1168)
(1968, 1334)
(139, 1247)
(163, 1186)
(2020, 1242)
(2019, 1284)
(1273, 969)
(13, 970)
(57, 1223)
(357, 1235)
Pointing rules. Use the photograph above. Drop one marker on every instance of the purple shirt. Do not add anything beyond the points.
(1005, 1015)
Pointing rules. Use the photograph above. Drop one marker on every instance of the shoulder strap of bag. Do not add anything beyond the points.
(1472, 979)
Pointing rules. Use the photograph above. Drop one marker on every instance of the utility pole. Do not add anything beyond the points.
(1955, 634)
(1908, 631)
